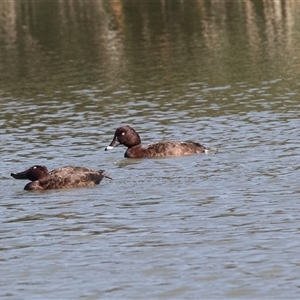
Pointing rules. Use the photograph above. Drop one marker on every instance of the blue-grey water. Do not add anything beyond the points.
(223, 73)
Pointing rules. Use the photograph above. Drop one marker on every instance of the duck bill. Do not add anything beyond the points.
(20, 175)
(113, 144)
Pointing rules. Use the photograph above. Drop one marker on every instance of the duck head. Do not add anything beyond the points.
(125, 135)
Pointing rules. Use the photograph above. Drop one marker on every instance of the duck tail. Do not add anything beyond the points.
(211, 150)
(105, 174)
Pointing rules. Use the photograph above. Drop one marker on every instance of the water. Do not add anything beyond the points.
(221, 226)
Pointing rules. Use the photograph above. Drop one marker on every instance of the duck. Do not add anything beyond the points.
(61, 178)
(127, 136)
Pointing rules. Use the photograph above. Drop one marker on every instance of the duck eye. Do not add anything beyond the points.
(34, 167)
(123, 133)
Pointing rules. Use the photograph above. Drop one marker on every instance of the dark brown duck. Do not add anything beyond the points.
(61, 178)
(127, 136)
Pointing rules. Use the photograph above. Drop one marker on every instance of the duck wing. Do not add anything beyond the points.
(72, 176)
(174, 149)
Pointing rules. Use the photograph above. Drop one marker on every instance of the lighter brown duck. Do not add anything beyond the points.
(61, 178)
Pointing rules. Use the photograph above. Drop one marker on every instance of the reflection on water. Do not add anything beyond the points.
(223, 73)
(47, 46)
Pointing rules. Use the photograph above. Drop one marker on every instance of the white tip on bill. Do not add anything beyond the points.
(109, 148)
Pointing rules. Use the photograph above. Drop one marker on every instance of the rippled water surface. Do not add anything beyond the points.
(222, 226)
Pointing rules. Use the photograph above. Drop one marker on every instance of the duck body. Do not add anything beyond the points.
(128, 137)
(61, 178)
(165, 149)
